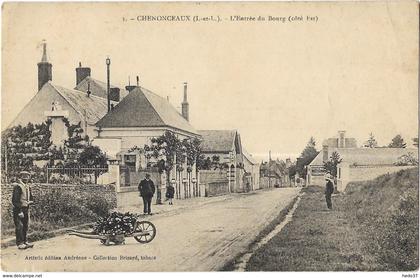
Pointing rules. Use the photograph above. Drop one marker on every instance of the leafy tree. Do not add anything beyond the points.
(169, 152)
(397, 142)
(306, 157)
(292, 171)
(330, 165)
(371, 142)
(92, 156)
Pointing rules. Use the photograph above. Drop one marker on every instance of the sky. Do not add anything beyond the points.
(278, 84)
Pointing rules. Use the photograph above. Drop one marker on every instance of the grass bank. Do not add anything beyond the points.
(372, 227)
(230, 265)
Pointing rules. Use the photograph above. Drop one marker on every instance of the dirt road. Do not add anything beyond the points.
(202, 239)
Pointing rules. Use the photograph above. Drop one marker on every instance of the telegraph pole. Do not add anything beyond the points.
(108, 86)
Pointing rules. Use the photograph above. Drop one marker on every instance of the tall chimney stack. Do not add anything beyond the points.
(108, 85)
(184, 104)
(81, 73)
(130, 87)
(341, 138)
(44, 68)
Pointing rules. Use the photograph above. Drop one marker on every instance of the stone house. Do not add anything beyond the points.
(357, 164)
(361, 164)
(56, 103)
(252, 171)
(315, 169)
(227, 146)
(139, 117)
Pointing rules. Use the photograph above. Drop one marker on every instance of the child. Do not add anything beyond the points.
(170, 190)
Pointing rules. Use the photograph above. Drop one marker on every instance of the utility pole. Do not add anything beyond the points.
(108, 86)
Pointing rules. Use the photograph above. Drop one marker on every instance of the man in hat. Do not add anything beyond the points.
(329, 189)
(147, 190)
(21, 199)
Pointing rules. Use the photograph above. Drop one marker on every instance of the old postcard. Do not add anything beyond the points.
(209, 136)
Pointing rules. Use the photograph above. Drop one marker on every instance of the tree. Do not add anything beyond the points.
(92, 156)
(169, 152)
(371, 142)
(306, 157)
(330, 165)
(397, 142)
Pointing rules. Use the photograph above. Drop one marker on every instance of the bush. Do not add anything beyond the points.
(386, 212)
(57, 208)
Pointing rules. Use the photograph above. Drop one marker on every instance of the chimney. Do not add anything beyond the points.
(138, 81)
(341, 138)
(88, 90)
(114, 94)
(324, 153)
(108, 92)
(81, 73)
(130, 87)
(44, 68)
(184, 104)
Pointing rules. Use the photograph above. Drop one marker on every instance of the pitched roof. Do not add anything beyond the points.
(217, 140)
(367, 156)
(97, 87)
(91, 107)
(248, 156)
(142, 108)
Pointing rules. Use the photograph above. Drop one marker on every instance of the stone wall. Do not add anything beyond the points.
(215, 182)
(363, 173)
(265, 182)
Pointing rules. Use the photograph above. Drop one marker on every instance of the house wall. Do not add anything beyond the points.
(350, 173)
(214, 182)
(315, 176)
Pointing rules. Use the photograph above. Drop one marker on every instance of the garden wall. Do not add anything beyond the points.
(215, 182)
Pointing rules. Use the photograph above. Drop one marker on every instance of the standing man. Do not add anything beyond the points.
(329, 189)
(21, 199)
(147, 190)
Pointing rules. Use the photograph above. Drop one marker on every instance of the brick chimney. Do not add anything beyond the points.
(44, 68)
(114, 94)
(130, 87)
(81, 73)
(341, 138)
(184, 104)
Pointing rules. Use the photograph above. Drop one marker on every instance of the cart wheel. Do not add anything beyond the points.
(148, 227)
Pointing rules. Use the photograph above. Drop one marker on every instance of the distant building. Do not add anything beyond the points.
(315, 170)
(361, 164)
(357, 163)
(226, 144)
(252, 171)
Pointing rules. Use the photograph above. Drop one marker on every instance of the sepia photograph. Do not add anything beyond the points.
(210, 137)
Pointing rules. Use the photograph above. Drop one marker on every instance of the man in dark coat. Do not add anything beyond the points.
(147, 190)
(21, 199)
(329, 189)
